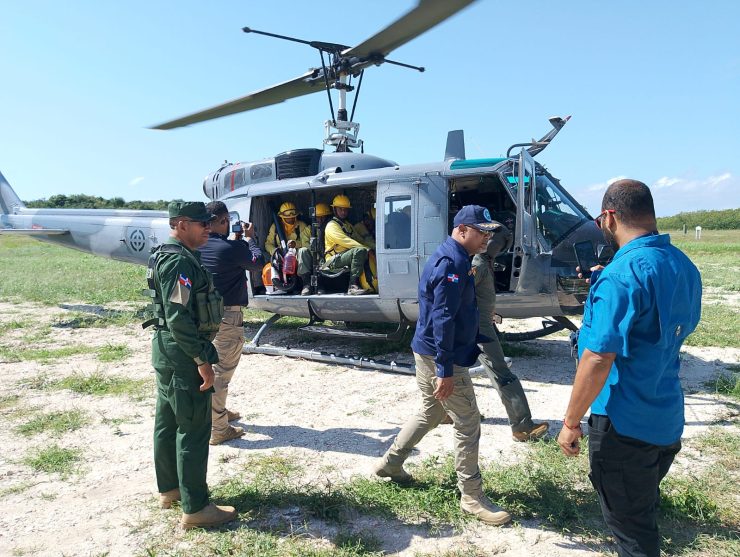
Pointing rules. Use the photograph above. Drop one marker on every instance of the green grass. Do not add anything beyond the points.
(107, 353)
(13, 325)
(54, 460)
(729, 385)
(114, 353)
(547, 486)
(719, 326)
(16, 488)
(717, 255)
(42, 355)
(99, 384)
(51, 275)
(9, 401)
(56, 423)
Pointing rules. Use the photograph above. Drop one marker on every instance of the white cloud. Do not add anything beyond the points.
(136, 181)
(601, 186)
(666, 182)
(675, 194)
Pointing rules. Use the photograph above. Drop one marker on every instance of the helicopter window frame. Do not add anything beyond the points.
(396, 227)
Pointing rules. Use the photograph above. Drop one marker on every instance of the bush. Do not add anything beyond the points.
(728, 219)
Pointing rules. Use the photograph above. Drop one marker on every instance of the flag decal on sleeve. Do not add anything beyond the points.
(453, 278)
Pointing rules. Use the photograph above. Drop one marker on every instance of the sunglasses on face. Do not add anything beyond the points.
(289, 214)
(600, 218)
(485, 233)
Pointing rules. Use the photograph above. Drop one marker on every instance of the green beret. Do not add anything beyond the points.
(193, 210)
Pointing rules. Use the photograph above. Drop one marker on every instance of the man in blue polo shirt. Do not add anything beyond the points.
(639, 310)
(445, 346)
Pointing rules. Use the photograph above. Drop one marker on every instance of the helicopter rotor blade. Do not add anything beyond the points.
(423, 17)
(309, 82)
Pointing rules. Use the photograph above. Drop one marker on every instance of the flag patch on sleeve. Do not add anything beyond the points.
(453, 278)
(185, 281)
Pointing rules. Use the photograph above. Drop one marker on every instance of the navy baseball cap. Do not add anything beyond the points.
(475, 216)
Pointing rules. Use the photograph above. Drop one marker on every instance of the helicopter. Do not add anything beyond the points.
(414, 204)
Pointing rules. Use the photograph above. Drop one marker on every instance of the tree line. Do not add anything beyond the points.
(82, 201)
(727, 219)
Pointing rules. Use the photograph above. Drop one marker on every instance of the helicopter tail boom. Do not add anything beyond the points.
(9, 200)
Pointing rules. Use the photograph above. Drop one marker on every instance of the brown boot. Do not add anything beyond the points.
(232, 416)
(537, 431)
(397, 475)
(218, 437)
(210, 515)
(484, 510)
(168, 497)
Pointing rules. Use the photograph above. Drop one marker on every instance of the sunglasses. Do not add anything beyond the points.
(600, 218)
(289, 214)
(485, 233)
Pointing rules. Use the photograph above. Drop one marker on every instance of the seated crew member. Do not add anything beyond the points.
(341, 250)
(364, 231)
(298, 236)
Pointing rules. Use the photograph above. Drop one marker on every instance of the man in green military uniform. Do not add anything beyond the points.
(187, 315)
(503, 380)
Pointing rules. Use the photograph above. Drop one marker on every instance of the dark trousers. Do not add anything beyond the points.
(182, 429)
(626, 474)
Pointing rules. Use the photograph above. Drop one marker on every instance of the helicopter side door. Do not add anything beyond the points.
(397, 253)
(525, 240)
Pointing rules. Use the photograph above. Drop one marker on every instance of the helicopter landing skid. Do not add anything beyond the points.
(403, 326)
(558, 323)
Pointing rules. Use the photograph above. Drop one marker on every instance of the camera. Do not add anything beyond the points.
(237, 227)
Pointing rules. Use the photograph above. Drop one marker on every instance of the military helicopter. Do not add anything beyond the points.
(415, 204)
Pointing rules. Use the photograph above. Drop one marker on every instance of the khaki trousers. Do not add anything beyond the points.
(228, 342)
(461, 407)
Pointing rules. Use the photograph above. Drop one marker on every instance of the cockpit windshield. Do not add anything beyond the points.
(557, 213)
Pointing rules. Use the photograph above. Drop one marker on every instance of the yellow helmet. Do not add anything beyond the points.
(288, 210)
(322, 210)
(341, 201)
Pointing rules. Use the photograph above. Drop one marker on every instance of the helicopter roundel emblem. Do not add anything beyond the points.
(486, 214)
(137, 240)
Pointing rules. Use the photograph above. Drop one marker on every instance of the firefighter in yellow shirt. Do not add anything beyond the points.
(298, 236)
(364, 231)
(341, 249)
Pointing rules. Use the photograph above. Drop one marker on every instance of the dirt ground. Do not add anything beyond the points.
(335, 419)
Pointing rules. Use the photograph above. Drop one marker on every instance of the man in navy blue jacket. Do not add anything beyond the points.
(639, 310)
(228, 260)
(445, 345)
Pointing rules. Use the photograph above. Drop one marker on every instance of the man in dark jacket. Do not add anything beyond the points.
(228, 260)
(445, 345)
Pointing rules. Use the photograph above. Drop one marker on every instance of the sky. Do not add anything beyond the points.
(653, 89)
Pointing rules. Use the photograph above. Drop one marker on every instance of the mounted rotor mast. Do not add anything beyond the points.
(344, 64)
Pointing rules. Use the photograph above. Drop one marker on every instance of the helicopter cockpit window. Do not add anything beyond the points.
(557, 215)
(234, 179)
(397, 220)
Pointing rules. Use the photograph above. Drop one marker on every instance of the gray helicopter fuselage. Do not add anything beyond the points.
(414, 209)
